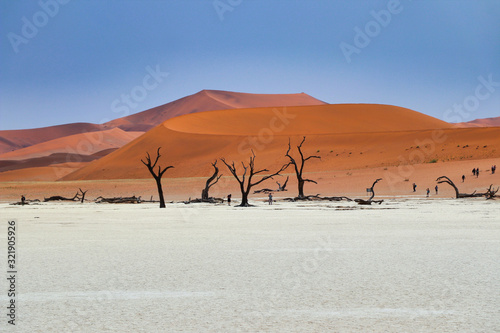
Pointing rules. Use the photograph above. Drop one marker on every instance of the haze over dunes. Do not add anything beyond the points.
(346, 136)
(486, 122)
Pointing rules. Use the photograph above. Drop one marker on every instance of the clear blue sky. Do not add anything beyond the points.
(73, 61)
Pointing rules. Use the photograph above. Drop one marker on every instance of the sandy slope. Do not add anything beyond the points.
(207, 100)
(83, 143)
(404, 266)
(16, 139)
(186, 144)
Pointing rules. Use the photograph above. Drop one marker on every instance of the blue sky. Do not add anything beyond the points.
(67, 61)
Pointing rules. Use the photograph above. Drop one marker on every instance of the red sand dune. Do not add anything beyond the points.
(84, 143)
(346, 136)
(16, 139)
(207, 100)
(486, 122)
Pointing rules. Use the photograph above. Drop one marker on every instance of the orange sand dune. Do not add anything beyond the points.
(16, 139)
(486, 122)
(191, 142)
(207, 100)
(48, 172)
(84, 144)
(302, 120)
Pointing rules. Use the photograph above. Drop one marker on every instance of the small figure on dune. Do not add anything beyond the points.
(474, 171)
(463, 178)
(270, 198)
(229, 199)
(436, 188)
(23, 199)
(428, 191)
(477, 172)
(414, 187)
(493, 169)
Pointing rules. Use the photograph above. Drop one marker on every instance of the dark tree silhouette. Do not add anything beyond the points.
(446, 180)
(299, 166)
(156, 176)
(246, 184)
(369, 201)
(211, 182)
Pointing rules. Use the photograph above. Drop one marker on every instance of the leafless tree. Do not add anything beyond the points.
(245, 183)
(211, 182)
(157, 176)
(299, 166)
(370, 201)
(444, 179)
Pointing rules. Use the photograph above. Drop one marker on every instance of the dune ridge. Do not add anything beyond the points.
(191, 142)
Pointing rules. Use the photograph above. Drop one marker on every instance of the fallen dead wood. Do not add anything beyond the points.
(317, 198)
(79, 196)
(209, 200)
(458, 195)
(118, 200)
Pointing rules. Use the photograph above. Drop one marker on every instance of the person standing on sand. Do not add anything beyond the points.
(436, 188)
(474, 171)
(229, 199)
(414, 187)
(23, 199)
(270, 198)
(477, 172)
(428, 191)
(463, 178)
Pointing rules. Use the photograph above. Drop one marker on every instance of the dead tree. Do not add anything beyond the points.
(210, 182)
(299, 166)
(282, 188)
(118, 200)
(369, 201)
(157, 176)
(79, 196)
(246, 184)
(446, 180)
(491, 193)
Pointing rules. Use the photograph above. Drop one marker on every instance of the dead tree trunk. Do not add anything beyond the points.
(491, 193)
(369, 201)
(299, 166)
(210, 182)
(77, 197)
(246, 184)
(157, 176)
(444, 179)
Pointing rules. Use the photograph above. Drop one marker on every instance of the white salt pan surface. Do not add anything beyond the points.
(403, 266)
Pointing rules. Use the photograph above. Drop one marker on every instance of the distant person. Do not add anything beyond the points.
(436, 188)
(229, 199)
(414, 187)
(493, 169)
(474, 171)
(463, 178)
(477, 172)
(270, 198)
(23, 200)
(428, 191)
